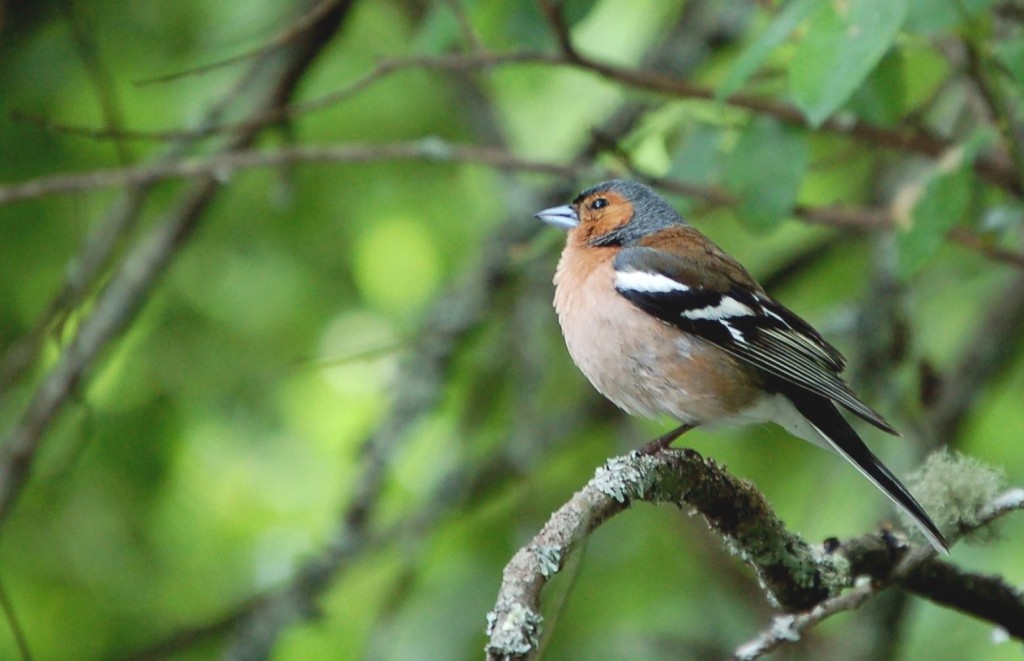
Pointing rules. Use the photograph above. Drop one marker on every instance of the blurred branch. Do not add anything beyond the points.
(222, 166)
(855, 219)
(461, 62)
(978, 244)
(996, 171)
(889, 621)
(553, 14)
(794, 576)
(101, 243)
(81, 274)
(307, 21)
(469, 32)
(124, 294)
(100, 77)
(914, 570)
(190, 636)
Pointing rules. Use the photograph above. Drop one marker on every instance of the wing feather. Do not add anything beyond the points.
(740, 319)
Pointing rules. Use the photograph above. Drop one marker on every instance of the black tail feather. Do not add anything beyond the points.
(826, 418)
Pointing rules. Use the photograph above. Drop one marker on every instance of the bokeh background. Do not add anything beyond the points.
(340, 402)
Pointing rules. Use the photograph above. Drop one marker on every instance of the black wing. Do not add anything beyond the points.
(739, 319)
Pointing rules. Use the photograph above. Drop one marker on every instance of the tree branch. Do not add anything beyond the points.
(985, 597)
(910, 568)
(795, 576)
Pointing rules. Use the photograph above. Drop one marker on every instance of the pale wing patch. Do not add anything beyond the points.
(736, 333)
(727, 308)
(643, 281)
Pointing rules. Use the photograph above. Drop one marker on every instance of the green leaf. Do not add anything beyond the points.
(575, 11)
(935, 204)
(906, 79)
(437, 32)
(941, 204)
(842, 44)
(765, 170)
(698, 160)
(754, 54)
(882, 98)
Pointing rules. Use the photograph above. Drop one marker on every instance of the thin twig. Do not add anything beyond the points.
(786, 628)
(100, 77)
(553, 14)
(469, 33)
(978, 244)
(305, 22)
(447, 62)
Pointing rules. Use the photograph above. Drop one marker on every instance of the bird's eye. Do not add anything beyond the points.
(599, 203)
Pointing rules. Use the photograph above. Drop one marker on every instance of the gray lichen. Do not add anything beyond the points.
(516, 635)
(549, 558)
(955, 489)
(625, 478)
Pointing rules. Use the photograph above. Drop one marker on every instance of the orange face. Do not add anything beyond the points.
(599, 213)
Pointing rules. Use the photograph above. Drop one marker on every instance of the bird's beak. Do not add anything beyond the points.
(563, 217)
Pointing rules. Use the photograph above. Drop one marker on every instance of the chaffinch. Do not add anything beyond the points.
(662, 321)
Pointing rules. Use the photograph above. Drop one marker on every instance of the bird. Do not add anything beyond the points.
(662, 321)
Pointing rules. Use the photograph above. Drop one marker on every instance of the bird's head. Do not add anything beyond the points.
(614, 213)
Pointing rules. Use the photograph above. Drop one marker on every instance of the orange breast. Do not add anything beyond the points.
(643, 365)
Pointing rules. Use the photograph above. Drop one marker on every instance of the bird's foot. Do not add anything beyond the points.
(665, 440)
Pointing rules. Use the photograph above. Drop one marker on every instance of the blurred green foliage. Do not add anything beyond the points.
(210, 451)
